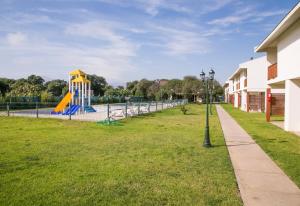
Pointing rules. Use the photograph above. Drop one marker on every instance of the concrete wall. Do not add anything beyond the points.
(292, 105)
(289, 53)
(230, 87)
(244, 101)
(257, 74)
(236, 97)
(228, 90)
(226, 94)
(272, 56)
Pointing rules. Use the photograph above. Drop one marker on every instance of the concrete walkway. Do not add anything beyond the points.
(260, 180)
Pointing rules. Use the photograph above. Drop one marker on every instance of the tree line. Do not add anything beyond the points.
(189, 87)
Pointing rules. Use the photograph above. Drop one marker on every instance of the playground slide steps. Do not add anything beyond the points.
(72, 110)
(89, 109)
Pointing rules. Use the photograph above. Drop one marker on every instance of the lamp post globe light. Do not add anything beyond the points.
(206, 80)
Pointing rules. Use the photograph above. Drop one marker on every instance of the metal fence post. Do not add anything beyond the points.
(139, 108)
(149, 105)
(156, 106)
(162, 104)
(70, 116)
(108, 118)
(126, 108)
(37, 109)
(7, 107)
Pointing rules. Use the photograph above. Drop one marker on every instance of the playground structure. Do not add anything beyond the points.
(79, 96)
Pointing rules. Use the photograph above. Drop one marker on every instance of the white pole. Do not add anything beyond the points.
(69, 83)
(85, 90)
(79, 93)
(89, 95)
(73, 92)
(82, 96)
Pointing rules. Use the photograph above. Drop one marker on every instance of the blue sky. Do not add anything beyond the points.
(125, 40)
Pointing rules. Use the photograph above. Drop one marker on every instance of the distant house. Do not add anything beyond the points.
(249, 85)
(282, 46)
(163, 82)
(228, 92)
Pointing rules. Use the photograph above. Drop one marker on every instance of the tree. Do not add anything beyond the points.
(98, 84)
(218, 90)
(119, 91)
(35, 80)
(4, 87)
(24, 88)
(55, 87)
(132, 86)
(142, 88)
(174, 87)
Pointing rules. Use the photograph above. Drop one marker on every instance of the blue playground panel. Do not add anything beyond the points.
(89, 109)
(72, 110)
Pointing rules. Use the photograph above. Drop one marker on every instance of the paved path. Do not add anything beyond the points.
(260, 180)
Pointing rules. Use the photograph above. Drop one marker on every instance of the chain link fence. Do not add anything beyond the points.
(103, 112)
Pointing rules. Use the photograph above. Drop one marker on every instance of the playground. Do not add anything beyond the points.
(76, 105)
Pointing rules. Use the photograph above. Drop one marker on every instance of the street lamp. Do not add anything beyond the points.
(206, 80)
(211, 76)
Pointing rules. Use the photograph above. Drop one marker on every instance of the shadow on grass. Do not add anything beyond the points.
(191, 113)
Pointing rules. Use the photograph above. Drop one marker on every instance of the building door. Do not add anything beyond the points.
(262, 101)
(253, 102)
(231, 99)
(277, 104)
(257, 102)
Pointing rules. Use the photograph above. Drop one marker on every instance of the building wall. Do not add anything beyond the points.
(256, 73)
(272, 56)
(244, 100)
(230, 87)
(289, 53)
(228, 90)
(292, 108)
(236, 97)
(226, 94)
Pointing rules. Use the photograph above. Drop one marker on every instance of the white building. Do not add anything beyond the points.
(228, 91)
(249, 85)
(282, 46)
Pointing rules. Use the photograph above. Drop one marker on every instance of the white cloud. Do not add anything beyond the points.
(151, 7)
(214, 5)
(234, 19)
(181, 42)
(16, 39)
(246, 14)
(104, 31)
(40, 55)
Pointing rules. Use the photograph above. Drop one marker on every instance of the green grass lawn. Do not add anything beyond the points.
(149, 160)
(283, 147)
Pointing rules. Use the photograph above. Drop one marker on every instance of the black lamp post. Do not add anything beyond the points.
(206, 80)
(211, 74)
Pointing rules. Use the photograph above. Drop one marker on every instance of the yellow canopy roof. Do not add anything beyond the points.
(81, 79)
(77, 72)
